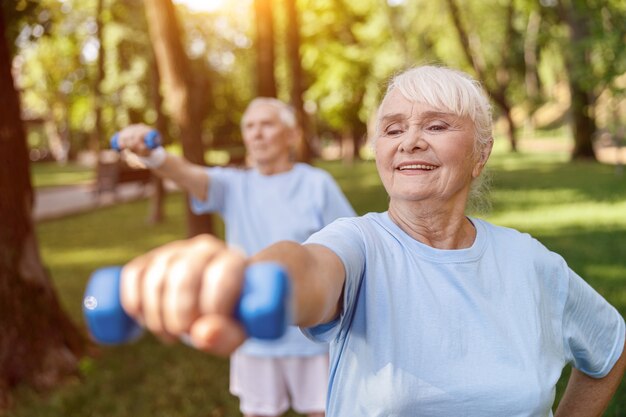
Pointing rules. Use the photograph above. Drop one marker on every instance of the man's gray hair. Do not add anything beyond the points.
(286, 114)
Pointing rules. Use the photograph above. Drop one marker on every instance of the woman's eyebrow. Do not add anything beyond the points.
(427, 115)
(436, 114)
(392, 116)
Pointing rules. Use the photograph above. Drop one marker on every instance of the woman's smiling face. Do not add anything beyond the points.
(424, 153)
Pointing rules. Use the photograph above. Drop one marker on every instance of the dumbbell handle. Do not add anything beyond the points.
(152, 140)
(262, 308)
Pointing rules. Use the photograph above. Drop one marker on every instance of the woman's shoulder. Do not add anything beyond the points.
(502, 232)
(366, 221)
(369, 226)
(517, 240)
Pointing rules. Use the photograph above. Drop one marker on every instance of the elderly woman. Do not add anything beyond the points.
(429, 312)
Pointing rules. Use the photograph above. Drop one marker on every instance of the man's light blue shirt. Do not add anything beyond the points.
(259, 210)
(475, 332)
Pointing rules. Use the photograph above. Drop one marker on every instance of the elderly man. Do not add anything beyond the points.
(276, 199)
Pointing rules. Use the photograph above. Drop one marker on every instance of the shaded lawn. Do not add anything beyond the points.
(52, 174)
(578, 210)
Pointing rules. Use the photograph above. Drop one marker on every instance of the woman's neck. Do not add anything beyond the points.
(438, 226)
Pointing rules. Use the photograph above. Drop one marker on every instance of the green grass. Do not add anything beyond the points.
(52, 174)
(578, 210)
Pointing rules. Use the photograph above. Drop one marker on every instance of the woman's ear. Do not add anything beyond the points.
(483, 158)
(486, 152)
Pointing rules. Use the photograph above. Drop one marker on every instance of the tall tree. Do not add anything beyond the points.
(182, 91)
(266, 81)
(340, 57)
(595, 58)
(157, 202)
(498, 86)
(97, 91)
(39, 344)
(578, 59)
(297, 79)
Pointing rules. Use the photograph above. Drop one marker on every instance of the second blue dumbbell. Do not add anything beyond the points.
(152, 140)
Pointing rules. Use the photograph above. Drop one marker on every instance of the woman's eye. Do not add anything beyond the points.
(436, 127)
(393, 130)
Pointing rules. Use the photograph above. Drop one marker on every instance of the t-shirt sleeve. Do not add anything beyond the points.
(219, 180)
(593, 330)
(336, 205)
(344, 238)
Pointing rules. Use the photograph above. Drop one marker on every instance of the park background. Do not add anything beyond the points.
(72, 72)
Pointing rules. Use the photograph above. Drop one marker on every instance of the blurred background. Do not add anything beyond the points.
(73, 72)
(86, 68)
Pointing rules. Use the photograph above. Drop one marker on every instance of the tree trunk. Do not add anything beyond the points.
(347, 146)
(352, 138)
(96, 137)
(181, 92)
(511, 133)
(501, 100)
(531, 58)
(360, 136)
(578, 61)
(583, 124)
(305, 153)
(157, 214)
(157, 202)
(39, 345)
(266, 81)
(351, 142)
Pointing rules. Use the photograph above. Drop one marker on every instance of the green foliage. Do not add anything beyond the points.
(55, 82)
(17, 14)
(597, 58)
(342, 43)
(220, 45)
(349, 50)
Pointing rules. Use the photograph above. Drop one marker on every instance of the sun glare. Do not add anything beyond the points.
(202, 5)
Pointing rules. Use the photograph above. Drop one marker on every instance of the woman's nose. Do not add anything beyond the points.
(413, 140)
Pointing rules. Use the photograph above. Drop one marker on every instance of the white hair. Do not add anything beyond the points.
(451, 90)
(286, 113)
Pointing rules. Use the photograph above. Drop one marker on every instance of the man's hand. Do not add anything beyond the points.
(131, 139)
(132, 142)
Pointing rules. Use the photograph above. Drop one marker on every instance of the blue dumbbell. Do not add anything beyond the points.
(152, 140)
(262, 308)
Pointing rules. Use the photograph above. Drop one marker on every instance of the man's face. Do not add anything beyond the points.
(265, 136)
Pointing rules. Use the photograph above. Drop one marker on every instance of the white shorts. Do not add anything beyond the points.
(270, 386)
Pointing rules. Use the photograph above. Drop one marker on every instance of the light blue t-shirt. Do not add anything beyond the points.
(476, 332)
(259, 210)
